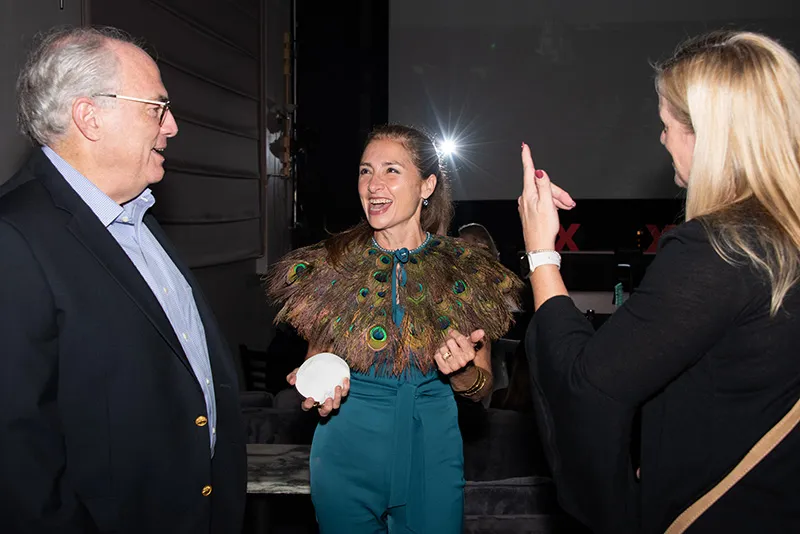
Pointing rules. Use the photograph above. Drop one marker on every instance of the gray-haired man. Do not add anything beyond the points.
(118, 399)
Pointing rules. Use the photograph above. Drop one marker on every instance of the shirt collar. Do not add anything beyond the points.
(101, 204)
(133, 211)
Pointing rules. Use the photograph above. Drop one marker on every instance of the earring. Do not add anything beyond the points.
(425, 202)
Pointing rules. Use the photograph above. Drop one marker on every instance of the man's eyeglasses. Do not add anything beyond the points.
(163, 104)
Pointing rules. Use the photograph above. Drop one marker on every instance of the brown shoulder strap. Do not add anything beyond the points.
(750, 460)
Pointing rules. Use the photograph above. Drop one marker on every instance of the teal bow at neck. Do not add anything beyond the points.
(400, 257)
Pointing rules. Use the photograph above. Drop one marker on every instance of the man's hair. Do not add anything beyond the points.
(65, 64)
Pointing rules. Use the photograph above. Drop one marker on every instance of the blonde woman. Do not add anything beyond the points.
(707, 347)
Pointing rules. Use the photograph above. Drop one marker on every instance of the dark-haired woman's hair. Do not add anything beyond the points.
(424, 155)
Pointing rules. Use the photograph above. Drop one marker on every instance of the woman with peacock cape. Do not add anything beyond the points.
(411, 311)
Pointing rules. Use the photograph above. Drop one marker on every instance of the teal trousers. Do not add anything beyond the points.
(391, 460)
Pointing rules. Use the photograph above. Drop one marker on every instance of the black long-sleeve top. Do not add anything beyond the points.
(696, 349)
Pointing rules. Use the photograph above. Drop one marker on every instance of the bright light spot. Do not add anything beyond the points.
(448, 147)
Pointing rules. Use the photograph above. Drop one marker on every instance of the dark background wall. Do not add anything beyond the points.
(572, 79)
(209, 54)
(342, 92)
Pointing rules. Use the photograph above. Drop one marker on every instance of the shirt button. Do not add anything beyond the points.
(214, 430)
(201, 421)
(185, 336)
(125, 219)
(206, 491)
(166, 291)
(208, 381)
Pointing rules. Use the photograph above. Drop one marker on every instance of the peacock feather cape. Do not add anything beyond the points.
(393, 309)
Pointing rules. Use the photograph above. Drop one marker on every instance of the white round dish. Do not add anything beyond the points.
(320, 374)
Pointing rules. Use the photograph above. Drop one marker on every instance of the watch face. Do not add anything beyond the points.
(524, 266)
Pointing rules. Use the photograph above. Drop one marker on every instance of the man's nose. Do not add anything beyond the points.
(170, 126)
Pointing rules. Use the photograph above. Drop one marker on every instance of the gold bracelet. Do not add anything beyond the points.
(478, 387)
(480, 382)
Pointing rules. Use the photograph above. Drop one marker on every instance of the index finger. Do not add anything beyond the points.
(456, 335)
(528, 169)
(465, 343)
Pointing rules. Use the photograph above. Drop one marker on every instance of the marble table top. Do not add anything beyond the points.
(278, 469)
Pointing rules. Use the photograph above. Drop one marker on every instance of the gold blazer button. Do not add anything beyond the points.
(206, 491)
(201, 421)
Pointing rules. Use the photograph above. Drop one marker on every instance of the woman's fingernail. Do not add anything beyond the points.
(523, 144)
(539, 173)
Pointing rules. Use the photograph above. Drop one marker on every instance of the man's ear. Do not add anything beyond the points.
(86, 117)
(428, 186)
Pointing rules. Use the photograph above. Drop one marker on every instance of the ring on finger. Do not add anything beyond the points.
(446, 356)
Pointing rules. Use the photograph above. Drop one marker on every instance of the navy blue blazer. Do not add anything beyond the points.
(101, 417)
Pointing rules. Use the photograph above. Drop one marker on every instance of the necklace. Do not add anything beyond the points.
(415, 251)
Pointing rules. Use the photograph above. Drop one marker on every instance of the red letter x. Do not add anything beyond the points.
(565, 237)
(656, 234)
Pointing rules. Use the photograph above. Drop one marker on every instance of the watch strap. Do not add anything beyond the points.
(537, 258)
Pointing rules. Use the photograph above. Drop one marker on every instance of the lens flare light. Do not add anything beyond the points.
(448, 147)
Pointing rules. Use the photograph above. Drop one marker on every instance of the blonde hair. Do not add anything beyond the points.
(739, 93)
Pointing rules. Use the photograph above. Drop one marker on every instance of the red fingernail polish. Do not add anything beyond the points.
(523, 144)
(539, 174)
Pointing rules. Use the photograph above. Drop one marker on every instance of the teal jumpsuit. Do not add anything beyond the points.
(391, 459)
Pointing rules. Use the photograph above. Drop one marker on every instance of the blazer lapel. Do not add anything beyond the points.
(88, 229)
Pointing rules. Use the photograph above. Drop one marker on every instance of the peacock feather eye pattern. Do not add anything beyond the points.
(296, 271)
(362, 295)
(418, 296)
(416, 339)
(504, 283)
(377, 338)
(384, 261)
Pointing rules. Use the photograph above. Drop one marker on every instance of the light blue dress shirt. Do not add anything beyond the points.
(125, 223)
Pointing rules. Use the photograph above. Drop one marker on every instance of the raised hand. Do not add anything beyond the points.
(537, 206)
(457, 351)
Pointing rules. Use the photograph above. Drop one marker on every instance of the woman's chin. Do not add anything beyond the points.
(378, 223)
(680, 181)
